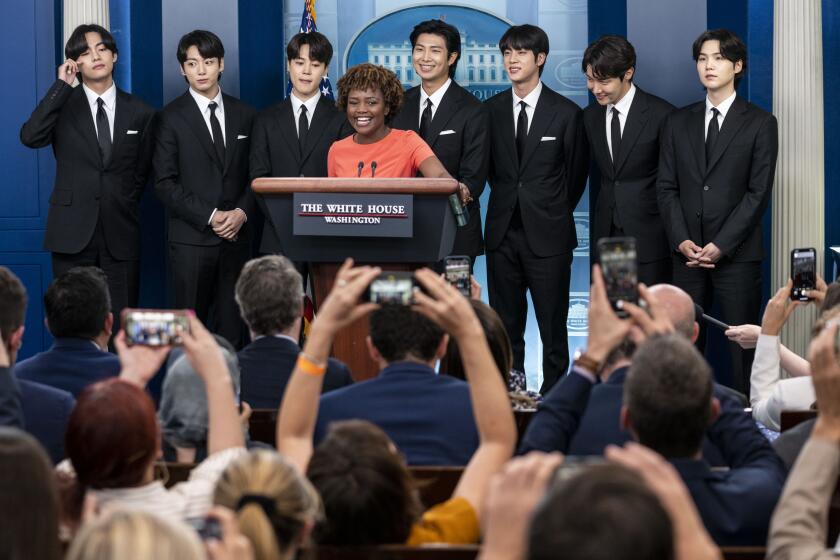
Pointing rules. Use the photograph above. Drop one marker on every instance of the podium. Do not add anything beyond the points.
(397, 224)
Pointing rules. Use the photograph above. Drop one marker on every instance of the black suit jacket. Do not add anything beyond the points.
(266, 365)
(85, 190)
(463, 152)
(190, 180)
(723, 200)
(275, 151)
(549, 180)
(629, 188)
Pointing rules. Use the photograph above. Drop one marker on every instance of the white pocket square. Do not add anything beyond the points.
(131, 132)
(241, 137)
(445, 132)
(548, 138)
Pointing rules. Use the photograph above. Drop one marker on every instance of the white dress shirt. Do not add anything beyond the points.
(769, 393)
(109, 103)
(204, 107)
(722, 108)
(530, 104)
(310, 105)
(623, 107)
(436, 98)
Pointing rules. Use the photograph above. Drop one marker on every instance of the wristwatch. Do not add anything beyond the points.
(585, 362)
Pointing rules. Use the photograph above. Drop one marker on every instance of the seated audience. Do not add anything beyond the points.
(113, 438)
(368, 494)
(428, 416)
(12, 312)
(269, 293)
(78, 310)
(46, 411)
(275, 505)
(28, 499)
(799, 528)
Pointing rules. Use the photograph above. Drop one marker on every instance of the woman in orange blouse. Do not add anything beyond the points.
(371, 95)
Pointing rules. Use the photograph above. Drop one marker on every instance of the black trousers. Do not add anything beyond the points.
(512, 270)
(123, 276)
(204, 278)
(736, 286)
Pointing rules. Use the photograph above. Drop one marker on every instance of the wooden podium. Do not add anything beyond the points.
(431, 239)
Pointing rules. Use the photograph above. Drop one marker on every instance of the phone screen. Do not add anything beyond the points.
(458, 273)
(617, 256)
(155, 328)
(395, 288)
(803, 271)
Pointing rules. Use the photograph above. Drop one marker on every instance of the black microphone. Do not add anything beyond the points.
(700, 314)
(360, 166)
(372, 169)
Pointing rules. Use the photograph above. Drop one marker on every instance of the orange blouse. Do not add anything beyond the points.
(399, 154)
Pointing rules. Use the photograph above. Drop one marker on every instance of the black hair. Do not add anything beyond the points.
(77, 303)
(208, 44)
(731, 48)
(399, 333)
(525, 37)
(77, 43)
(451, 36)
(320, 48)
(611, 56)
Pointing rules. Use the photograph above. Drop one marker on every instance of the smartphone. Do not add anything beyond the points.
(395, 288)
(803, 272)
(457, 269)
(155, 327)
(576, 464)
(617, 256)
(207, 527)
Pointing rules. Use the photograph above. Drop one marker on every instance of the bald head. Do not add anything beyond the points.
(680, 308)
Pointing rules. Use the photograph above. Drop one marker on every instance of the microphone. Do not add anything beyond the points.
(700, 314)
(372, 169)
(359, 167)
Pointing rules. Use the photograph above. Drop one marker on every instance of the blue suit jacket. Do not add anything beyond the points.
(71, 364)
(266, 365)
(11, 409)
(46, 411)
(428, 416)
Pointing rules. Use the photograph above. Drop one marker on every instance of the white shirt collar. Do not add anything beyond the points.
(530, 99)
(723, 106)
(436, 97)
(203, 102)
(623, 105)
(310, 103)
(109, 96)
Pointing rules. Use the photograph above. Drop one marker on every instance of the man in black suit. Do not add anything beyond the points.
(102, 139)
(201, 170)
(538, 166)
(715, 181)
(451, 121)
(278, 148)
(623, 130)
(270, 297)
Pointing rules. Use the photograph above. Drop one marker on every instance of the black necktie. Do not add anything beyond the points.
(303, 128)
(712, 134)
(615, 136)
(218, 137)
(521, 129)
(426, 120)
(103, 131)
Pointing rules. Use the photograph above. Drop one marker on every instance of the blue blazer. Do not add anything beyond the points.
(428, 416)
(11, 409)
(266, 365)
(46, 411)
(71, 364)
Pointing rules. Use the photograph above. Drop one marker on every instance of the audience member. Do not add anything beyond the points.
(78, 309)
(275, 505)
(28, 499)
(269, 293)
(428, 416)
(356, 469)
(113, 438)
(799, 528)
(46, 412)
(12, 312)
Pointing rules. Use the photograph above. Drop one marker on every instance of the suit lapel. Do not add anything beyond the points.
(504, 120)
(542, 118)
(410, 112)
(192, 115)
(731, 125)
(600, 140)
(633, 126)
(287, 129)
(84, 121)
(449, 104)
(316, 127)
(697, 135)
(124, 113)
(232, 118)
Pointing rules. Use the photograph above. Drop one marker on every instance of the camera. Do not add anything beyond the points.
(457, 272)
(392, 288)
(617, 256)
(155, 327)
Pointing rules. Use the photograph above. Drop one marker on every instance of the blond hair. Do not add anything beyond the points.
(136, 535)
(272, 499)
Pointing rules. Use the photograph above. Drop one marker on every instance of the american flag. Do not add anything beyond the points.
(307, 25)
